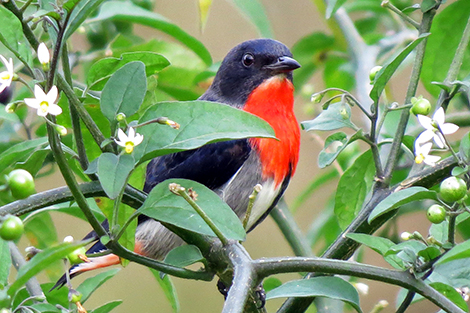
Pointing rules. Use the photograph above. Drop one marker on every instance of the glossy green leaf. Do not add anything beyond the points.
(91, 284)
(128, 12)
(334, 145)
(104, 68)
(380, 245)
(460, 251)
(20, 152)
(113, 171)
(450, 293)
(201, 122)
(169, 289)
(183, 256)
(332, 6)
(384, 75)
(43, 308)
(429, 253)
(353, 188)
(337, 115)
(12, 36)
(5, 262)
(400, 198)
(124, 91)
(256, 14)
(327, 286)
(447, 28)
(41, 261)
(162, 205)
(107, 307)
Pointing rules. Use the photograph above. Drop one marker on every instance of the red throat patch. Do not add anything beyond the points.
(273, 101)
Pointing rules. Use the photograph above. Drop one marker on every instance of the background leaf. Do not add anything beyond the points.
(91, 284)
(168, 289)
(337, 115)
(255, 12)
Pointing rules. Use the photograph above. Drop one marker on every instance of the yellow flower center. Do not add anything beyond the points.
(419, 158)
(5, 76)
(129, 147)
(44, 106)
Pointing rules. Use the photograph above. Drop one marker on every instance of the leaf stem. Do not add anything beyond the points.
(386, 4)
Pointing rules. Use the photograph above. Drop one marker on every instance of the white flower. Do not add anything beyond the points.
(433, 126)
(43, 54)
(130, 140)
(6, 76)
(362, 288)
(422, 154)
(44, 103)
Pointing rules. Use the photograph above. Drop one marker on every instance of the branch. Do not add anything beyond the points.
(267, 267)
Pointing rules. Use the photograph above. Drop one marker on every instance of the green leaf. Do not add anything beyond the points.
(107, 307)
(380, 245)
(183, 256)
(337, 115)
(400, 198)
(91, 284)
(270, 283)
(338, 73)
(201, 122)
(113, 171)
(427, 5)
(124, 91)
(328, 286)
(162, 205)
(464, 148)
(80, 12)
(20, 152)
(128, 12)
(43, 308)
(104, 68)
(460, 251)
(447, 28)
(12, 36)
(5, 263)
(332, 7)
(309, 52)
(450, 293)
(429, 253)
(352, 189)
(169, 289)
(384, 75)
(40, 262)
(338, 142)
(256, 14)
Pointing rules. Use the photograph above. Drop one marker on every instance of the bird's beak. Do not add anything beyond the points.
(283, 64)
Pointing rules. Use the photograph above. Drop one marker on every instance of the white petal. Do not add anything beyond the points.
(426, 148)
(122, 136)
(39, 93)
(425, 136)
(41, 112)
(4, 61)
(32, 102)
(54, 109)
(449, 128)
(52, 95)
(131, 134)
(2, 87)
(431, 159)
(439, 117)
(425, 121)
(43, 54)
(439, 140)
(138, 139)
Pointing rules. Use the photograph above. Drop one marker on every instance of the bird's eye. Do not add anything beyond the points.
(248, 59)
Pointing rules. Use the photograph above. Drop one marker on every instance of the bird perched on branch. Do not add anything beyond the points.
(255, 76)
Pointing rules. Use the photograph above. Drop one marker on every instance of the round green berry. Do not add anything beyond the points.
(436, 214)
(453, 189)
(21, 184)
(11, 228)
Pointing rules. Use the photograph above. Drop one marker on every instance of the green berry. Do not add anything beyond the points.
(436, 214)
(373, 72)
(11, 228)
(21, 184)
(420, 106)
(74, 257)
(453, 189)
(75, 296)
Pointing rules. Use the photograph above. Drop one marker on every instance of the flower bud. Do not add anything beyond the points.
(120, 117)
(44, 56)
(61, 130)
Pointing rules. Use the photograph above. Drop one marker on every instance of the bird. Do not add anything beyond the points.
(256, 77)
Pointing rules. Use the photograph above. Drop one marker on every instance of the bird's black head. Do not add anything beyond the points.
(246, 66)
